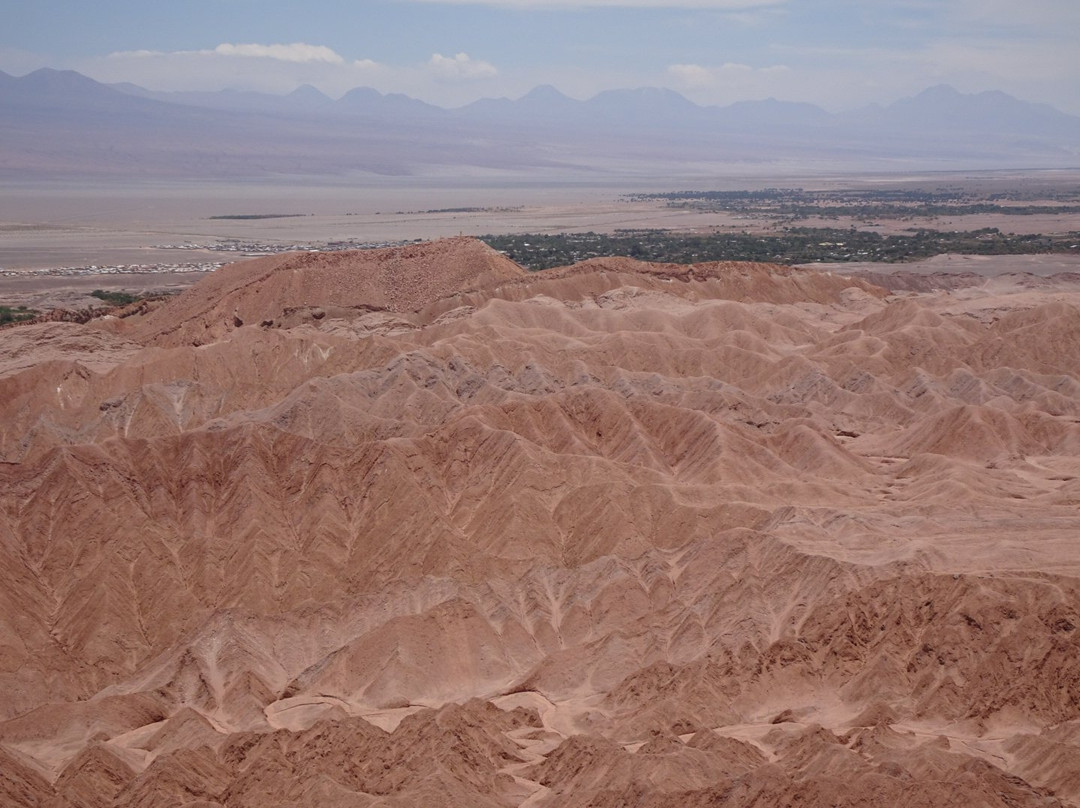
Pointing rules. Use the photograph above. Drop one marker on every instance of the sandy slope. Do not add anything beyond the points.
(413, 527)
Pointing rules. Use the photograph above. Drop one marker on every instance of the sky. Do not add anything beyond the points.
(838, 54)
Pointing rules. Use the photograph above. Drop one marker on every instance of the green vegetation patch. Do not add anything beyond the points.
(792, 245)
(244, 216)
(796, 203)
(115, 298)
(17, 314)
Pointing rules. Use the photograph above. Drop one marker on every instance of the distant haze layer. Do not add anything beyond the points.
(62, 125)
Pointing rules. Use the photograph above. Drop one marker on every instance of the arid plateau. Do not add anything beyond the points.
(413, 526)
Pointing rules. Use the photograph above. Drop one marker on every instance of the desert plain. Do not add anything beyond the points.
(413, 526)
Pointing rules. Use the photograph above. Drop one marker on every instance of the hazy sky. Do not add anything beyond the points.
(836, 53)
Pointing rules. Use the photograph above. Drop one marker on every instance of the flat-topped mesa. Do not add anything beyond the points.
(264, 290)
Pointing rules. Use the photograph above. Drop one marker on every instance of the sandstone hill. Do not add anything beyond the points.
(282, 289)
(414, 527)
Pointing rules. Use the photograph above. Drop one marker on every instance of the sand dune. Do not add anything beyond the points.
(413, 526)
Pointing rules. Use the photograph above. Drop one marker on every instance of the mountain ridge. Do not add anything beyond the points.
(365, 130)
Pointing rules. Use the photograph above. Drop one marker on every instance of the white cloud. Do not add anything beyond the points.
(460, 67)
(701, 76)
(266, 68)
(691, 75)
(730, 81)
(295, 52)
(281, 68)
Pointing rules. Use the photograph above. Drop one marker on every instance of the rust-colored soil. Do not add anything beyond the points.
(414, 527)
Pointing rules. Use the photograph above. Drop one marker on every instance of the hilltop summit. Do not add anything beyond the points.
(397, 279)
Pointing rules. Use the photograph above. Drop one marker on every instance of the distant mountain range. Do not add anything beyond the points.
(57, 124)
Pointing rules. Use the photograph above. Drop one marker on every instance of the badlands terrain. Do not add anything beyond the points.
(412, 526)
